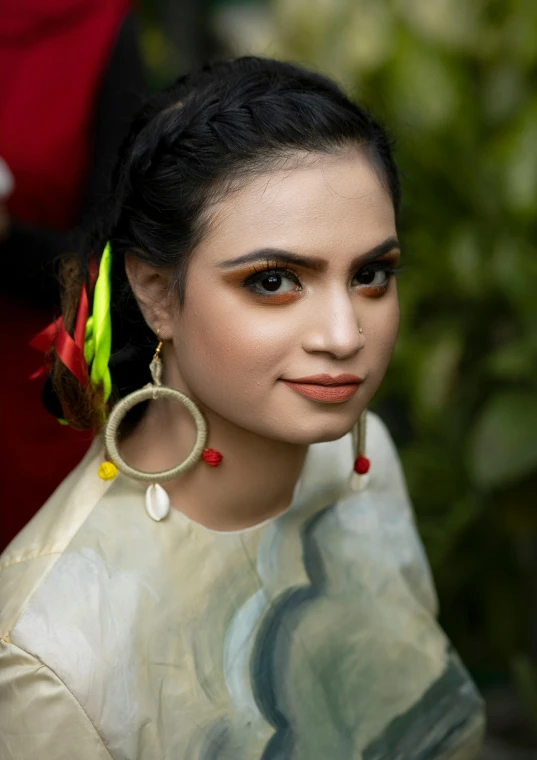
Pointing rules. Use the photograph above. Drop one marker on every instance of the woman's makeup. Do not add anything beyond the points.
(324, 388)
(279, 282)
(296, 277)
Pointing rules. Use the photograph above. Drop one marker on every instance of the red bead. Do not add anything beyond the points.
(212, 457)
(361, 465)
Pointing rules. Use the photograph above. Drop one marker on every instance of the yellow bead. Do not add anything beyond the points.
(107, 471)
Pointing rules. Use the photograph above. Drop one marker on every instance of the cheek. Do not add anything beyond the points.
(226, 346)
(381, 326)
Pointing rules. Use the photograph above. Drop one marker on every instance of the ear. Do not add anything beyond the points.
(150, 288)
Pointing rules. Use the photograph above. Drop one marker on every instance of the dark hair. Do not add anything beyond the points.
(187, 147)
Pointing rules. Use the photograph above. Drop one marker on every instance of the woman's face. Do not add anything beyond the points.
(293, 280)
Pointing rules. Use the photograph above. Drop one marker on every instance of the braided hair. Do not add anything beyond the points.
(186, 148)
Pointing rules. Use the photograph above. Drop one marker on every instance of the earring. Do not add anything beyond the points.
(361, 462)
(157, 501)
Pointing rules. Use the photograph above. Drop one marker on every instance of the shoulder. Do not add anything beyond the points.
(374, 509)
(329, 465)
(32, 554)
(386, 469)
(75, 589)
(386, 496)
(39, 716)
(377, 433)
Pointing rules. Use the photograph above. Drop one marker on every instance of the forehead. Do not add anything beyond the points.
(315, 204)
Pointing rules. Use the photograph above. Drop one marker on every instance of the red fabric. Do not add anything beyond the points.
(53, 54)
(71, 352)
(36, 451)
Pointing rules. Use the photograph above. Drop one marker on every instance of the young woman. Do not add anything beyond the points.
(233, 571)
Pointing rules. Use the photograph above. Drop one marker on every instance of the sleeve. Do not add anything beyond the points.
(39, 717)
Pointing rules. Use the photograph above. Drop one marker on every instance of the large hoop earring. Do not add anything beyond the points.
(156, 499)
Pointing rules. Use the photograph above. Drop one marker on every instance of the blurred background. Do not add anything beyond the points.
(454, 82)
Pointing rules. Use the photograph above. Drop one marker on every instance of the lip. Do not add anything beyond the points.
(325, 388)
(344, 379)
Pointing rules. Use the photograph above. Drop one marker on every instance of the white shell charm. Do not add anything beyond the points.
(157, 502)
(358, 482)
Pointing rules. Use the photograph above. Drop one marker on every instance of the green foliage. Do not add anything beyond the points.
(503, 444)
(455, 82)
(525, 675)
(163, 61)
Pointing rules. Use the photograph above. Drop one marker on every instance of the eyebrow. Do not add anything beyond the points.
(308, 262)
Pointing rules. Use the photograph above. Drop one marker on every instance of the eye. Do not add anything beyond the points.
(273, 282)
(374, 278)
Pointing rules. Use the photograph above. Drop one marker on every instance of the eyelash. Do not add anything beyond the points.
(284, 270)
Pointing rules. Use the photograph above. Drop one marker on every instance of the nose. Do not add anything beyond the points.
(334, 328)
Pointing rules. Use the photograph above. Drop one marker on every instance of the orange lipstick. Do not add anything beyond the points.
(325, 388)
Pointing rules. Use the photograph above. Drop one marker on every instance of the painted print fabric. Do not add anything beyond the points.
(310, 637)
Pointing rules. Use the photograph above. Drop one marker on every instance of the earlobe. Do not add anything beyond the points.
(150, 288)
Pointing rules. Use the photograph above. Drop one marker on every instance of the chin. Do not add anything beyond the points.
(322, 433)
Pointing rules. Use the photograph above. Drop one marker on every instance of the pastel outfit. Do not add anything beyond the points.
(309, 637)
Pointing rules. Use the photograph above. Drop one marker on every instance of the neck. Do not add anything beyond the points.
(254, 482)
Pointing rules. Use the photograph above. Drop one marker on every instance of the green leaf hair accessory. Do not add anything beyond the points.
(98, 337)
(89, 344)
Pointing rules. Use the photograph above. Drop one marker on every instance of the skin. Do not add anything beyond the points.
(229, 346)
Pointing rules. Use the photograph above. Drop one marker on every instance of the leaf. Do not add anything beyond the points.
(424, 87)
(503, 444)
(525, 677)
(515, 361)
(438, 375)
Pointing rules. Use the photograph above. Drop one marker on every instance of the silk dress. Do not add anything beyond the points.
(312, 636)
